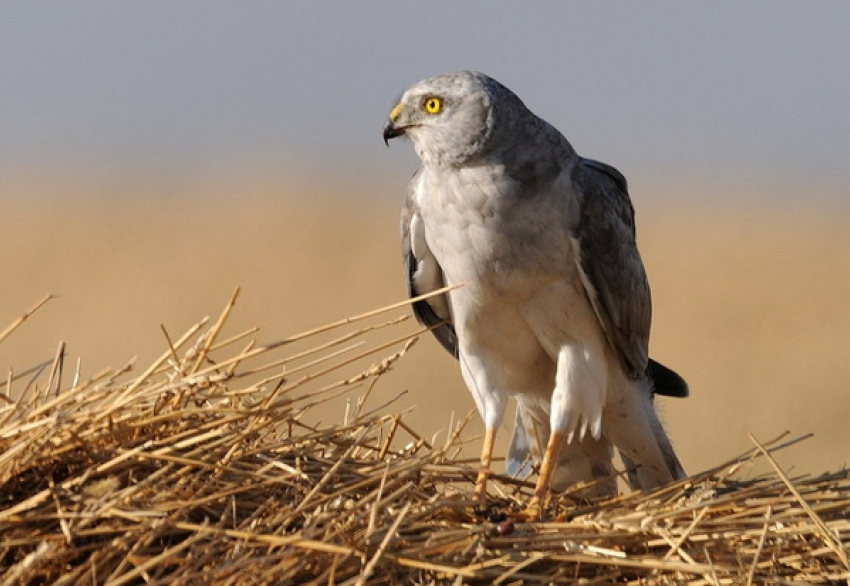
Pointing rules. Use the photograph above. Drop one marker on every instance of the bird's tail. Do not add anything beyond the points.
(633, 426)
(668, 382)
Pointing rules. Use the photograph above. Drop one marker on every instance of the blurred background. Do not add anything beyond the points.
(155, 155)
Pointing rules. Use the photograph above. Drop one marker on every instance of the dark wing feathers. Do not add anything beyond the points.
(666, 381)
(426, 310)
(610, 265)
(614, 275)
(425, 314)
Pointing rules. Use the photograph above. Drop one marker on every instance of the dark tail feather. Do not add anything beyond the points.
(666, 381)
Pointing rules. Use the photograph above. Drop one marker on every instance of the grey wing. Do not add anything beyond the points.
(609, 264)
(423, 274)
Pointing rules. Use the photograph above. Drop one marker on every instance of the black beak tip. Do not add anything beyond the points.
(391, 131)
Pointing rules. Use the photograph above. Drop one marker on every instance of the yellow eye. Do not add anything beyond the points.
(432, 105)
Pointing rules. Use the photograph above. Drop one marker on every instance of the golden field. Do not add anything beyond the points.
(750, 298)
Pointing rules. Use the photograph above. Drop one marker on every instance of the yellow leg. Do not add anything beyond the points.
(535, 506)
(484, 471)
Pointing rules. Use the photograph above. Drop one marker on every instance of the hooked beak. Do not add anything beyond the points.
(391, 131)
(390, 128)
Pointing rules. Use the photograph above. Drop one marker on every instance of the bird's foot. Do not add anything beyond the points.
(533, 511)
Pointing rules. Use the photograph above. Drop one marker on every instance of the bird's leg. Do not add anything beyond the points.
(484, 471)
(576, 409)
(478, 372)
(535, 506)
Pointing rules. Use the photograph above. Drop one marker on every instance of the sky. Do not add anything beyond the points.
(733, 95)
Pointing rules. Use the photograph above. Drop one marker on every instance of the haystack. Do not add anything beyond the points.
(205, 469)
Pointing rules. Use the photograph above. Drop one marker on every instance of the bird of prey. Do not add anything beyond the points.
(551, 304)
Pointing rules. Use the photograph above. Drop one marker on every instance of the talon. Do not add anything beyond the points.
(533, 511)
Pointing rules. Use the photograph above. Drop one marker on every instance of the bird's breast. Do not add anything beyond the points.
(490, 234)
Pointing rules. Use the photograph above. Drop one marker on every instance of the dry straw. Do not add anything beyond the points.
(206, 469)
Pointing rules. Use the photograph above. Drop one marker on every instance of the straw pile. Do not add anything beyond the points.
(205, 470)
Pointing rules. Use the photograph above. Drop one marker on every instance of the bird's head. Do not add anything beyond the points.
(450, 118)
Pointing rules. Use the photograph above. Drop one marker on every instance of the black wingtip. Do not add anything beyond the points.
(666, 381)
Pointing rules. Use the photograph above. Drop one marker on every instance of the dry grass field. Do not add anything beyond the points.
(750, 299)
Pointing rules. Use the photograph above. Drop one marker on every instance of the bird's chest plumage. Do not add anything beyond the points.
(502, 239)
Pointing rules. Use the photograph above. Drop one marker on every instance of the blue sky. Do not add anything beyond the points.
(721, 93)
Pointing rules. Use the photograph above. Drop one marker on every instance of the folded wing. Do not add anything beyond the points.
(423, 274)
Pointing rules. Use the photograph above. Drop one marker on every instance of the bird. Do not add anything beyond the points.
(544, 297)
